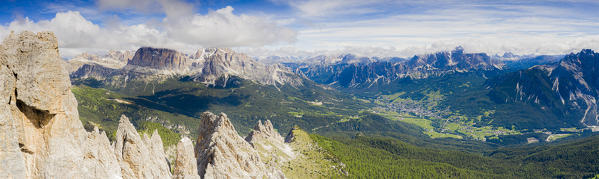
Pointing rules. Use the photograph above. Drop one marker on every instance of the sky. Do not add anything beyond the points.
(381, 28)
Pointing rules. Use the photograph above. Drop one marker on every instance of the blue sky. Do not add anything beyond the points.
(310, 27)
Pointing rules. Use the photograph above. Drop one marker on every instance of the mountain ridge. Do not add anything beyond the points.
(211, 66)
(568, 88)
(365, 75)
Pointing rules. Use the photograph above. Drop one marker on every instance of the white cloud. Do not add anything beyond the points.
(430, 26)
(138, 5)
(179, 30)
(221, 28)
(322, 8)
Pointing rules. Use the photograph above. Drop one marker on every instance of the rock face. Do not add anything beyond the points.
(99, 152)
(186, 166)
(222, 153)
(139, 158)
(159, 58)
(40, 130)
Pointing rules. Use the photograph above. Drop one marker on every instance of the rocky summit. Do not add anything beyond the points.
(185, 164)
(140, 158)
(269, 142)
(40, 128)
(222, 153)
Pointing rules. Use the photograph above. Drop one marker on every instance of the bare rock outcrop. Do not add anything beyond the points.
(139, 158)
(99, 153)
(186, 166)
(40, 130)
(222, 153)
(158, 159)
(270, 145)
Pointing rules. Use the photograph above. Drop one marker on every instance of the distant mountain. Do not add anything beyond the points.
(113, 59)
(211, 66)
(354, 72)
(159, 58)
(527, 62)
(568, 89)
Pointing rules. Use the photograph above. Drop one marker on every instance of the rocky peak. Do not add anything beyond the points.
(273, 151)
(159, 58)
(185, 163)
(263, 131)
(98, 147)
(139, 158)
(222, 153)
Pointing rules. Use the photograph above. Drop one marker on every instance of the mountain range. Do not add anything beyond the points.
(210, 66)
(507, 83)
(362, 73)
(568, 89)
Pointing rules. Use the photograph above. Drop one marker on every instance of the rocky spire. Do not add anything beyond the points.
(157, 156)
(139, 158)
(222, 153)
(105, 164)
(186, 166)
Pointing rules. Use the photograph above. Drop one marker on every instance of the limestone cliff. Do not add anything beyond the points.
(159, 58)
(222, 153)
(40, 130)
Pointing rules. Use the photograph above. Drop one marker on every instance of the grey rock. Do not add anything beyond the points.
(186, 166)
(222, 153)
(139, 158)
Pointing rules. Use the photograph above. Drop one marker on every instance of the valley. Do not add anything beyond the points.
(442, 125)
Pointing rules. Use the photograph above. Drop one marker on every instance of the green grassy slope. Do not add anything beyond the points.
(384, 157)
